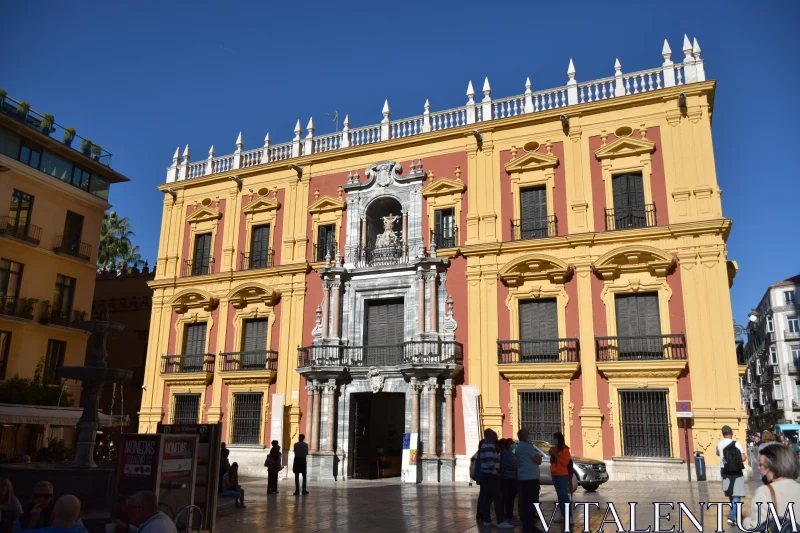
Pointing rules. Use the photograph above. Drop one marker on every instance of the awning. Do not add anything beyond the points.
(49, 416)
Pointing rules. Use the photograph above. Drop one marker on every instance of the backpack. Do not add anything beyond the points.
(732, 457)
(476, 468)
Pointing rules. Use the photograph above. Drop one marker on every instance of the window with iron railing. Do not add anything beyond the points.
(445, 231)
(185, 408)
(63, 297)
(246, 418)
(326, 242)
(10, 283)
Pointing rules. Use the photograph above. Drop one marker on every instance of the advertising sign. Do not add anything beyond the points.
(408, 473)
(207, 463)
(138, 466)
(177, 473)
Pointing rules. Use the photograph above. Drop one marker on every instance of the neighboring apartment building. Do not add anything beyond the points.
(554, 260)
(52, 199)
(128, 299)
(771, 379)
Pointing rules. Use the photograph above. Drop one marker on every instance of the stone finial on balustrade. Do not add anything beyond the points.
(265, 155)
(698, 63)
(184, 169)
(689, 71)
(486, 103)
(426, 117)
(572, 84)
(470, 104)
(237, 155)
(210, 162)
(528, 96)
(385, 122)
(346, 132)
(298, 130)
(172, 171)
(309, 142)
(619, 85)
(668, 68)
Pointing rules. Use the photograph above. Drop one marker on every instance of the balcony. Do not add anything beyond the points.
(251, 361)
(188, 364)
(447, 238)
(637, 216)
(381, 255)
(198, 267)
(537, 351)
(534, 228)
(55, 317)
(642, 348)
(417, 353)
(251, 260)
(29, 233)
(65, 246)
(321, 251)
(18, 307)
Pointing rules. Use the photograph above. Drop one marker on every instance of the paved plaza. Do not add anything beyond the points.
(388, 505)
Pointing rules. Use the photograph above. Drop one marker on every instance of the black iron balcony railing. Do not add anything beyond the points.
(67, 318)
(406, 353)
(64, 245)
(322, 250)
(534, 228)
(394, 254)
(9, 226)
(18, 307)
(445, 237)
(198, 267)
(637, 216)
(537, 351)
(187, 363)
(250, 260)
(253, 360)
(646, 347)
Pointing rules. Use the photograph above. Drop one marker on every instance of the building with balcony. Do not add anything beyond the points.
(770, 380)
(554, 260)
(52, 199)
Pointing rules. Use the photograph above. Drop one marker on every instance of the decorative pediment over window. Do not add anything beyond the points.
(443, 187)
(535, 266)
(261, 204)
(532, 161)
(203, 214)
(624, 147)
(193, 299)
(326, 204)
(253, 293)
(635, 258)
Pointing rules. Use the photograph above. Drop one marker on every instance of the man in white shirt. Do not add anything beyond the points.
(732, 475)
(529, 460)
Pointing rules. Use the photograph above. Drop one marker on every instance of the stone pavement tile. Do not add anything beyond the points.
(388, 505)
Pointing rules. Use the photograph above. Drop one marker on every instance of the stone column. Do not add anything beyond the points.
(336, 284)
(309, 412)
(330, 388)
(415, 387)
(315, 424)
(420, 302)
(449, 388)
(325, 307)
(433, 315)
(430, 388)
(363, 237)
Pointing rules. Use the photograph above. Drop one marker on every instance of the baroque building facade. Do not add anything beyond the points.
(554, 260)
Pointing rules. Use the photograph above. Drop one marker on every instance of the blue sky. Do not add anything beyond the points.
(142, 79)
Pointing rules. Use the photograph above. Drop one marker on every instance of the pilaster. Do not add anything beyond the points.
(215, 412)
(579, 216)
(473, 195)
(229, 228)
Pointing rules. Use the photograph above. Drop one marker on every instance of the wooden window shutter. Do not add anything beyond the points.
(195, 342)
(255, 335)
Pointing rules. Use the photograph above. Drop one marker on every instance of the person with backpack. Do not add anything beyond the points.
(733, 458)
(490, 482)
(560, 471)
(274, 465)
(779, 468)
(475, 474)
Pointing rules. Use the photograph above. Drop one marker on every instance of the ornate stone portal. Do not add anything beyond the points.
(383, 263)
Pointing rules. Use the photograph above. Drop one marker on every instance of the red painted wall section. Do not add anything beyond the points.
(230, 341)
(217, 252)
(209, 390)
(658, 183)
(171, 348)
(313, 299)
(185, 253)
(456, 286)
(276, 329)
(598, 187)
(327, 185)
(576, 385)
(603, 394)
(677, 319)
(444, 166)
(165, 404)
(504, 332)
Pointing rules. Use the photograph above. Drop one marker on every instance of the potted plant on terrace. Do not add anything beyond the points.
(77, 318)
(47, 124)
(86, 146)
(26, 307)
(44, 318)
(96, 151)
(22, 111)
(69, 135)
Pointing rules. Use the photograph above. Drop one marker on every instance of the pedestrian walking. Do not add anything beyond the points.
(274, 465)
(528, 460)
(508, 478)
(779, 468)
(733, 458)
(490, 482)
(560, 459)
(300, 464)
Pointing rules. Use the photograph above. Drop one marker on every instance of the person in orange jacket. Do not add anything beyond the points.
(560, 460)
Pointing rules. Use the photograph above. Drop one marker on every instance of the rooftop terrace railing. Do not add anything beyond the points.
(484, 109)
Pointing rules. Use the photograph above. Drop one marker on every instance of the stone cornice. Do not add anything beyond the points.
(233, 276)
(637, 369)
(539, 371)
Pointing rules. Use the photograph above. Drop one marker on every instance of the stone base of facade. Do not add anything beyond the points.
(643, 469)
(251, 460)
(438, 469)
(323, 467)
(461, 468)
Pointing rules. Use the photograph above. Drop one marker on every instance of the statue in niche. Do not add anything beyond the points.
(388, 237)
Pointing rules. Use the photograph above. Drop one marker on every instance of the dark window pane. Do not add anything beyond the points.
(246, 418)
(186, 409)
(56, 166)
(54, 359)
(645, 423)
(9, 143)
(5, 349)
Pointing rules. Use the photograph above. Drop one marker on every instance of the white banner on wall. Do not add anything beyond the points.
(276, 426)
(472, 425)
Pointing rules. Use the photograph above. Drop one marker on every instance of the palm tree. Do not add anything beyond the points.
(116, 250)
